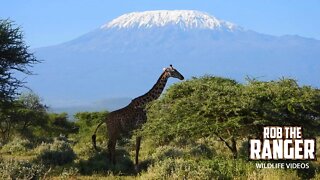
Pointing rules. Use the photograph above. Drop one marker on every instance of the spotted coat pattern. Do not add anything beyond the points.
(123, 121)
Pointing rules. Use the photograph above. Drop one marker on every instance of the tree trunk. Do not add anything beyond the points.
(232, 147)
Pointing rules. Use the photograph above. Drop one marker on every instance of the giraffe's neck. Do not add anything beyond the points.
(152, 94)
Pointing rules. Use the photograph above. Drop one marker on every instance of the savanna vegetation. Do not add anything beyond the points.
(198, 129)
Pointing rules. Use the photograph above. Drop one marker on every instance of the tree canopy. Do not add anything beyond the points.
(15, 57)
(230, 111)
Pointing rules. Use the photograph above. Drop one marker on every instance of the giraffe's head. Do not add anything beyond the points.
(172, 72)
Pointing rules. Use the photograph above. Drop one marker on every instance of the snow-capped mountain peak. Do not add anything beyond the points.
(185, 19)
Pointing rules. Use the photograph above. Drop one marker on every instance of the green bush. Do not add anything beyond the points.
(12, 169)
(164, 152)
(99, 163)
(57, 153)
(85, 149)
(177, 169)
(69, 173)
(230, 111)
(201, 150)
(17, 146)
(273, 174)
(218, 168)
(87, 123)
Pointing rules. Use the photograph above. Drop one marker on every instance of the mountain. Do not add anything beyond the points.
(181, 18)
(124, 57)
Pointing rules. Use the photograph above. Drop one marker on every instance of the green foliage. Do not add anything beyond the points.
(29, 113)
(201, 150)
(164, 152)
(277, 174)
(17, 146)
(15, 57)
(284, 102)
(13, 169)
(87, 123)
(57, 153)
(208, 106)
(99, 163)
(218, 168)
(59, 124)
(29, 118)
(186, 135)
(69, 173)
(197, 108)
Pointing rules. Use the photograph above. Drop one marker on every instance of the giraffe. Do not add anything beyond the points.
(131, 117)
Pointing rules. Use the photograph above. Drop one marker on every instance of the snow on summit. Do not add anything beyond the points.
(185, 19)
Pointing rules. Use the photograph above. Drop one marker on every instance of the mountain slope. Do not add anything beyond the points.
(183, 19)
(124, 57)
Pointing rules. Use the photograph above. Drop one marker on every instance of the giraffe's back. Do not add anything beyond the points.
(125, 120)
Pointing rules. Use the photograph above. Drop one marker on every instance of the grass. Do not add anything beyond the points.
(204, 159)
(18, 157)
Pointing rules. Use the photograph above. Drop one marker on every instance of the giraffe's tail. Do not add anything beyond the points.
(94, 137)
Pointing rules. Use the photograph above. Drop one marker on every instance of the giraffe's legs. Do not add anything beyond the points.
(112, 149)
(138, 141)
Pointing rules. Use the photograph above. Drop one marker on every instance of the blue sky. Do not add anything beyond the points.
(51, 22)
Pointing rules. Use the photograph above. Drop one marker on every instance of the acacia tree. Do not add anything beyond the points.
(15, 58)
(230, 111)
(201, 107)
(30, 111)
(283, 103)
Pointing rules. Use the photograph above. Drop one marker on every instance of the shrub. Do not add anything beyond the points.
(273, 174)
(244, 150)
(317, 176)
(17, 146)
(69, 173)
(12, 169)
(87, 123)
(99, 163)
(164, 152)
(177, 169)
(218, 168)
(85, 149)
(57, 153)
(201, 150)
